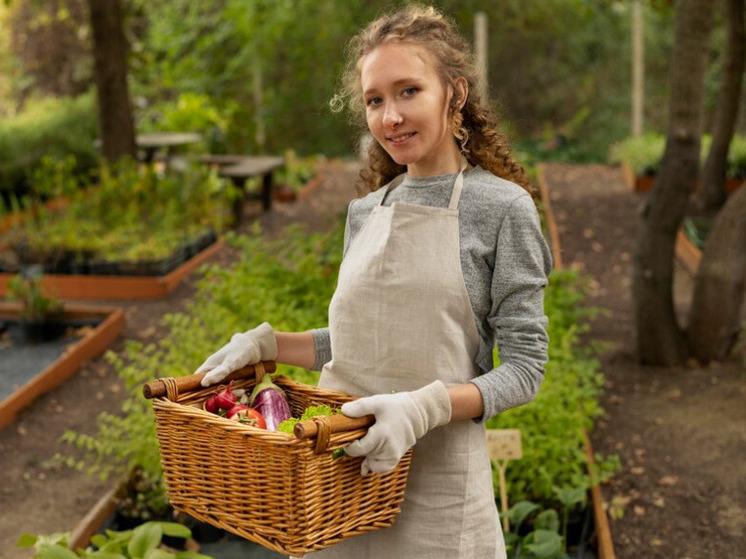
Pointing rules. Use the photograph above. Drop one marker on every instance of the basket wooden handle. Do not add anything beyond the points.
(337, 423)
(159, 387)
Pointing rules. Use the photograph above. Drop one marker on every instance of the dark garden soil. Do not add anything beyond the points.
(679, 432)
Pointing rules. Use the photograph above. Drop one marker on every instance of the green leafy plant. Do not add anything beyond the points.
(642, 153)
(28, 291)
(143, 542)
(737, 158)
(288, 282)
(131, 214)
(554, 424)
(49, 128)
(195, 112)
(645, 153)
(297, 171)
(538, 532)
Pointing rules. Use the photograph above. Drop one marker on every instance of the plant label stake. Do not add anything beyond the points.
(504, 445)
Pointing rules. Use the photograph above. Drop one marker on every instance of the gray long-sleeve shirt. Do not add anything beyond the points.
(505, 262)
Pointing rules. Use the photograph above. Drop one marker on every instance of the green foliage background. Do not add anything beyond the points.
(555, 67)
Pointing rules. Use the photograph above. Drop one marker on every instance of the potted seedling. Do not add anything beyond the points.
(41, 316)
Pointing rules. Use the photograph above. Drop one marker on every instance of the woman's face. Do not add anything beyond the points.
(407, 109)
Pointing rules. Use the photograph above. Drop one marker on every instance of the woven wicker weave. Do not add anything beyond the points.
(272, 488)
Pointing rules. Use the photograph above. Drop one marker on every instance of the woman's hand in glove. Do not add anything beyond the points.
(401, 419)
(244, 348)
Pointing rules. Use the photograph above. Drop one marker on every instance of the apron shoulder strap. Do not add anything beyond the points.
(391, 186)
(458, 184)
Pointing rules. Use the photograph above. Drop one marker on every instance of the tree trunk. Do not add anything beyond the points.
(660, 340)
(715, 316)
(110, 68)
(711, 195)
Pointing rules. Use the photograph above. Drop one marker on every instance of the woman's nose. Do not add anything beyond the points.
(391, 116)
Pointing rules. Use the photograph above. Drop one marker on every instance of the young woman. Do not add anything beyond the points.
(443, 261)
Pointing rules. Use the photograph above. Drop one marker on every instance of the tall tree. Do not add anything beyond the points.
(660, 340)
(711, 194)
(715, 316)
(110, 69)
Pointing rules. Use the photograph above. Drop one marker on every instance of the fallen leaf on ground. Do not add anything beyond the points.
(668, 480)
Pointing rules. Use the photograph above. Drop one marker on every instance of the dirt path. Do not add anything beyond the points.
(678, 431)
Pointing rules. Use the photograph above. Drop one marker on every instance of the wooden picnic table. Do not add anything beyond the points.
(154, 142)
(240, 168)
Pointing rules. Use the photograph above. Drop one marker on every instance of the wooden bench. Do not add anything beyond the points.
(240, 168)
(154, 142)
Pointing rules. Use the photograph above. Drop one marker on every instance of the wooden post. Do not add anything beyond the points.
(259, 136)
(480, 49)
(638, 73)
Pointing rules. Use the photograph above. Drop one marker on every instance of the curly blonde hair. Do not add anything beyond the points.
(430, 29)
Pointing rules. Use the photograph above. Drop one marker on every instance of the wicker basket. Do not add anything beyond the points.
(284, 492)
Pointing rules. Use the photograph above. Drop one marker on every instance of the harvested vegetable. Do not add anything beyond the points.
(211, 404)
(246, 415)
(269, 400)
(288, 425)
(226, 399)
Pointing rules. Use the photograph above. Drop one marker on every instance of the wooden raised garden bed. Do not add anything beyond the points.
(112, 287)
(94, 342)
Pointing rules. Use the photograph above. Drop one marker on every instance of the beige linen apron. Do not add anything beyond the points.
(400, 318)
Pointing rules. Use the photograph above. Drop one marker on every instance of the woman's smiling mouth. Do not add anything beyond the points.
(401, 137)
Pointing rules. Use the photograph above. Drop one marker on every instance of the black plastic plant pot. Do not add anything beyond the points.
(104, 268)
(39, 331)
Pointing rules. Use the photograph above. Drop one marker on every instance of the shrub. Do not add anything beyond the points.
(645, 153)
(642, 153)
(55, 128)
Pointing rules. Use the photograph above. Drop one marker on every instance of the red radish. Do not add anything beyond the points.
(249, 416)
(226, 399)
(211, 404)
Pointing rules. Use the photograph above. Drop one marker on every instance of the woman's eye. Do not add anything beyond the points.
(409, 91)
(373, 101)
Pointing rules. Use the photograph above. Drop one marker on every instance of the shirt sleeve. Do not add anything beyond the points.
(323, 345)
(522, 266)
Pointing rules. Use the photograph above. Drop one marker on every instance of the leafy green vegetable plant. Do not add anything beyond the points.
(131, 214)
(642, 153)
(554, 424)
(28, 291)
(645, 153)
(538, 532)
(143, 542)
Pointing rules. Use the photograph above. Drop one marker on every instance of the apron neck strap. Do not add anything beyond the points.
(458, 184)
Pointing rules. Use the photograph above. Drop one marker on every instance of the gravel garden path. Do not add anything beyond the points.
(679, 432)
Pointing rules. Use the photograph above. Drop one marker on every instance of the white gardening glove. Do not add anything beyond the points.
(245, 348)
(401, 419)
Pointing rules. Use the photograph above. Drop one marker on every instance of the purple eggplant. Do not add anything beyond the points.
(269, 400)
